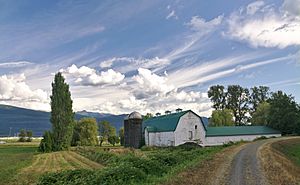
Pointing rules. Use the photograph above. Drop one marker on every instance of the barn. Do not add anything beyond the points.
(186, 126)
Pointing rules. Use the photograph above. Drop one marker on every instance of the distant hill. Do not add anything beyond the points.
(12, 119)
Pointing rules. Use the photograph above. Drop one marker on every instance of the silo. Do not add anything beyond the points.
(133, 130)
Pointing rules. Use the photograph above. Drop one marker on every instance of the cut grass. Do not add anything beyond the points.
(22, 164)
(290, 148)
(276, 164)
(55, 162)
(13, 159)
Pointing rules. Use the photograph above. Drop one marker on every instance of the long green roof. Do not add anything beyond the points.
(239, 130)
(164, 123)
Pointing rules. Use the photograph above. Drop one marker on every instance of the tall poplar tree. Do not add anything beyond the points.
(62, 116)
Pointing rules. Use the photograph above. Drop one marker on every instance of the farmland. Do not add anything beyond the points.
(89, 165)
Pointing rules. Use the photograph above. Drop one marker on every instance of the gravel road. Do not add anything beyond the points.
(245, 167)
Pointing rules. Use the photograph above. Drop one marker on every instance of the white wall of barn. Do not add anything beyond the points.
(159, 138)
(220, 140)
(189, 124)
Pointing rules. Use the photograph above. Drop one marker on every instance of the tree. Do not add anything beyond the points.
(238, 102)
(85, 132)
(284, 113)
(260, 116)
(221, 118)
(61, 114)
(122, 136)
(147, 116)
(106, 130)
(29, 135)
(113, 140)
(258, 95)
(46, 144)
(217, 95)
(22, 135)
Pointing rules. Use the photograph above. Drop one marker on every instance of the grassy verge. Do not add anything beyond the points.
(13, 159)
(290, 148)
(279, 160)
(147, 166)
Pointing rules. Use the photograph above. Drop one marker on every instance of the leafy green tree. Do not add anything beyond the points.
(122, 136)
(29, 135)
(106, 130)
(147, 116)
(22, 135)
(284, 113)
(238, 102)
(62, 115)
(221, 118)
(85, 132)
(113, 140)
(258, 95)
(261, 115)
(217, 95)
(46, 144)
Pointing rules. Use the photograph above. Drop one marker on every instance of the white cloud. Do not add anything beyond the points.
(87, 76)
(152, 83)
(291, 7)
(199, 24)
(172, 14)
(14, 64)
(252, 8)
(268, 28)
(14, 90)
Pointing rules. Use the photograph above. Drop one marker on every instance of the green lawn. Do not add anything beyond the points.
(291, 148)
(12, 159)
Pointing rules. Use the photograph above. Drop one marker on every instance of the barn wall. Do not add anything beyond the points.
(159, 138)
(220, 140)
(186, 124)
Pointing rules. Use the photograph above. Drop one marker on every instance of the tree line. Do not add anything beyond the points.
(66, 131)
(236, 105)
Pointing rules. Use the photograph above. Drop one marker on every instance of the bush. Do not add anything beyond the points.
(260, 138)
(46, 144)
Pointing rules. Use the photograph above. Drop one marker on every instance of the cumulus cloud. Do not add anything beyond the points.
(266, 28)
(87, 76)
(152, 83)
(13, 88)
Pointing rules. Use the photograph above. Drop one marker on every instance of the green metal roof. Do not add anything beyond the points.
(239, 130)
(164, 123)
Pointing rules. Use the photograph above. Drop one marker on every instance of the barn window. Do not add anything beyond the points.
(195, 127)
(190, 135)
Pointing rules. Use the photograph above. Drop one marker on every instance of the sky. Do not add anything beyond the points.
(146, 56)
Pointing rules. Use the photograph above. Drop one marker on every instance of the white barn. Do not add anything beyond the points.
(186, 126)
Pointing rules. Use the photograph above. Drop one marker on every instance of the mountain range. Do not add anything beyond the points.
(13, 119)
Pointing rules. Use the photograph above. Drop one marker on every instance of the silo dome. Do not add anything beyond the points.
(135, 115)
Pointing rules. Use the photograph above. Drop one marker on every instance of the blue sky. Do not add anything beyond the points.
(149, 56)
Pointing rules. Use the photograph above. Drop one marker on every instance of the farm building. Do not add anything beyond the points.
(186, 126)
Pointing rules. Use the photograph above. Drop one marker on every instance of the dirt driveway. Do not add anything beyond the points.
(235, 165)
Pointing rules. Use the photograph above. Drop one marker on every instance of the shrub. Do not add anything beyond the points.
(46, 144)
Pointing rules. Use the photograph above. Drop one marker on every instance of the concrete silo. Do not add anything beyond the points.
(133, 130)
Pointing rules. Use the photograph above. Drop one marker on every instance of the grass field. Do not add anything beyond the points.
(13, 159)
(20, 163)
(290, 148)
(129, 166)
